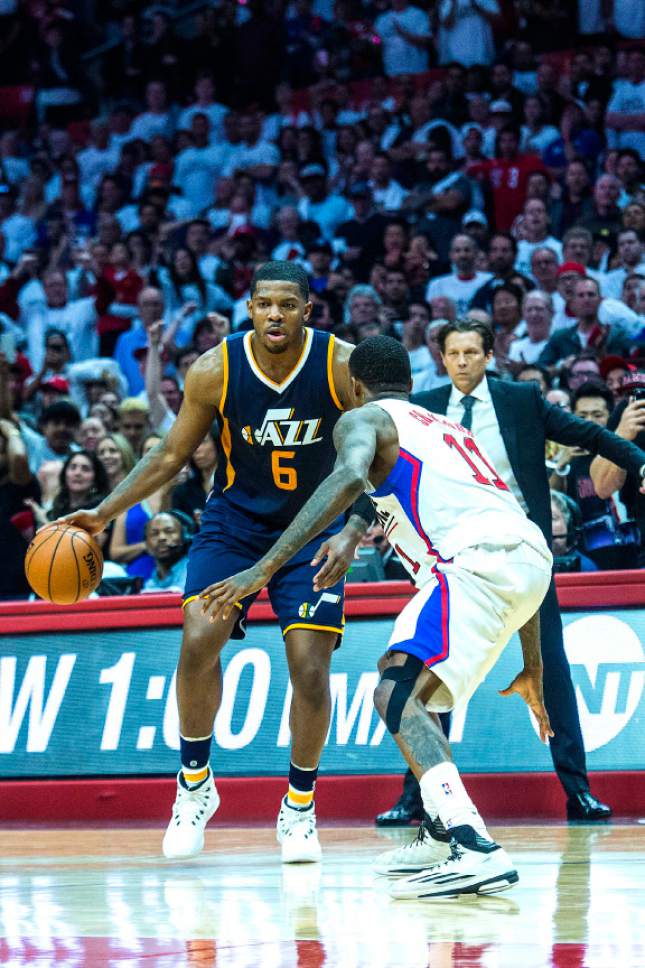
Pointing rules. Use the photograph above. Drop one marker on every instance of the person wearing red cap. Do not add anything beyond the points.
(567, 275)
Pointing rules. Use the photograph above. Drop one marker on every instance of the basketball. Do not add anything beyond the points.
(63, 564)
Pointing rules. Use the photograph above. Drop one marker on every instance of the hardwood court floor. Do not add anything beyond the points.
(106, 897)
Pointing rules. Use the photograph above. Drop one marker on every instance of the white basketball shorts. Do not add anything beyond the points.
(461, 620)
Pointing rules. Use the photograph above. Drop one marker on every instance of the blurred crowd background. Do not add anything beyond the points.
(423, 162)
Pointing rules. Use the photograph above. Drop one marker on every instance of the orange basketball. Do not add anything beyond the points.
(63, 564)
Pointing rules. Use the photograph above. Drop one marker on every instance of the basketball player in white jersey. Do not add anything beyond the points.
(481, 569)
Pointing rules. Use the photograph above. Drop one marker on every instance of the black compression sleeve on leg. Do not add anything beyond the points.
(404, 678)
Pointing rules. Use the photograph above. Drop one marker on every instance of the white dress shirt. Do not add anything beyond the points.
(486, 430)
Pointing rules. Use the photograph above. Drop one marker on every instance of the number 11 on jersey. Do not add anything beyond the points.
(468, 448)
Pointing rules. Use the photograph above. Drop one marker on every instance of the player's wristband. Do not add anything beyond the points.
(365, 509)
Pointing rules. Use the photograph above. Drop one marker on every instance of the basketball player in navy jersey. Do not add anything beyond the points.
(276, 393)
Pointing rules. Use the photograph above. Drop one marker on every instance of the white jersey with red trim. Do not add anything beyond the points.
(443, 494)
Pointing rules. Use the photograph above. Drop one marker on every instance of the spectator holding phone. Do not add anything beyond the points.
(628, 422)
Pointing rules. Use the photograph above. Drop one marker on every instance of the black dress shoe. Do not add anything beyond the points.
(584, 806)
(406, 810)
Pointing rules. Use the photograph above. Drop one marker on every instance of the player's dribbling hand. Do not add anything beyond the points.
(222, 597)
(528, 685)
(339, 552)
(90, 521)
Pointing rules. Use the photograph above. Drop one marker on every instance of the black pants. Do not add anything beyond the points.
(567, 746)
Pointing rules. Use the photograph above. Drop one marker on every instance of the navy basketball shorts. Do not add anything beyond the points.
(230, 541)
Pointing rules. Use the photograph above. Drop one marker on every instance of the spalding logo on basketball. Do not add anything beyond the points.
(63, 564)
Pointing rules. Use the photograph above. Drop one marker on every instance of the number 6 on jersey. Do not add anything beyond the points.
(284, 476)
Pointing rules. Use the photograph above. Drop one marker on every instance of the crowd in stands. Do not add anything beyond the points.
(422, 162)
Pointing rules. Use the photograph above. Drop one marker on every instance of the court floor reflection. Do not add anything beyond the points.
(102, 897)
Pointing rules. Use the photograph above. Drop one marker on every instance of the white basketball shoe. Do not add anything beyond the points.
(475, 866)
(430, 846)
(191, 812)
(296, 833)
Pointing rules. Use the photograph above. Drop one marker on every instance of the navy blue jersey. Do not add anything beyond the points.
(276, 439)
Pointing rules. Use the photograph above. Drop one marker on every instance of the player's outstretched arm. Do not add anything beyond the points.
(528, 683)
(355, 439)
(165, 460)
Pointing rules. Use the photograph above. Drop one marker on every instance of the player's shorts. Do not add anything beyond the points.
(459, 623)
(230, 541)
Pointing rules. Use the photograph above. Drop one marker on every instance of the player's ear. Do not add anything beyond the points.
(307, 311)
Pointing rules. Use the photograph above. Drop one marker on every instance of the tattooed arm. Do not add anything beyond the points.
(164, 461)
(355, 439)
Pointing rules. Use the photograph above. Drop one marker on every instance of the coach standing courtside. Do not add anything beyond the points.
(512, 421)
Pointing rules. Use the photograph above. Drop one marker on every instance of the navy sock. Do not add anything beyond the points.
(195, 754)
(301, 787)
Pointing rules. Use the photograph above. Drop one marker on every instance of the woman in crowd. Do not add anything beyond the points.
(182, 283)
(190, 497)
(83, 483)
(117, 457)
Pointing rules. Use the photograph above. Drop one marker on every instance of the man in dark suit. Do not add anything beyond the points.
(512, 421)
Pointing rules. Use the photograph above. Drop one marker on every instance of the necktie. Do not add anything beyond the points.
(468, 403)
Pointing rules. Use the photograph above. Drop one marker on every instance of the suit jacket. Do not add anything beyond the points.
(526, 421)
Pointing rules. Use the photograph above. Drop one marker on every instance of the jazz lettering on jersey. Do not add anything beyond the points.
(281, 428)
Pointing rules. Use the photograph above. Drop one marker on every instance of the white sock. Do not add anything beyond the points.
(429, 804)
(443, 787)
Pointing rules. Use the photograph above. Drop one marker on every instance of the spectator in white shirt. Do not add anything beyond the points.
(386, 192)
(538, 314)
(196, 168)
(535, 234)
(98, 159)
(625, 118)
(435, 374)
(15, 168)
(317, 205)
(158, 119)
(19, 231)
(465, 33)
(289, 248)
(544, 269)
(462, 284)
(405, 34)
(253, 155)
(287, 115)
(413, 338)
(631, 252)
(536, 134)
(629, 18)
(205, 103)
(75, 318)
(198, 238)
